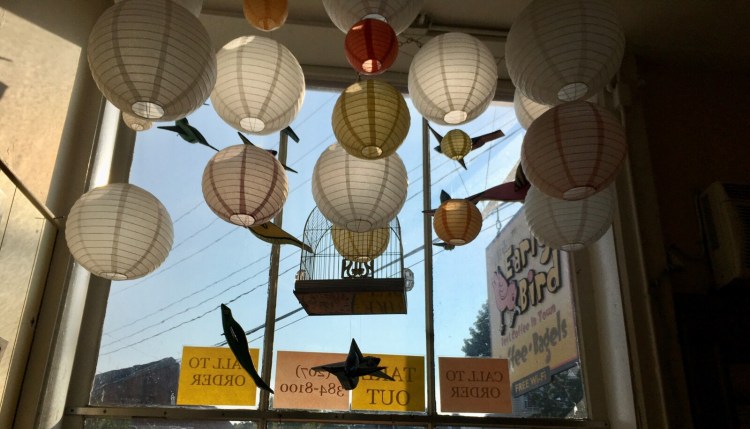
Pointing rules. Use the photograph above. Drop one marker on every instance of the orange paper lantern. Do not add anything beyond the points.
(457, 222)
(266, 15)
(371, 46)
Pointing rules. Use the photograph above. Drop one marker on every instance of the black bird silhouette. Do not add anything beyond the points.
(237, 342)
(355, 366)
(444, 245)
(292, 135)
(476, 142)
(188, 132)
(245, 140)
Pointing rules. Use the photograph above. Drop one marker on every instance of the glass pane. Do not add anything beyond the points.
(124, 423)
(316, 425)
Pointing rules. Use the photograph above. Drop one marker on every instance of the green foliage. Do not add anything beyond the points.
(478, 343)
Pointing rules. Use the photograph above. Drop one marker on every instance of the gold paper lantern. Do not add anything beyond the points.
(569, 225)
(357, 194)
(119, 232)
(371, 119)
(260, 86)
(564, 50)
(399, 14)
(152, 59)
(452, 79)
(360, 246)
(266, 15)
(573, 150)
(457, 222)
(136, 123)
(455, 144)
(245, 185)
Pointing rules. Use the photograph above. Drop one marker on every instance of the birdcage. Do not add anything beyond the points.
(349, 272)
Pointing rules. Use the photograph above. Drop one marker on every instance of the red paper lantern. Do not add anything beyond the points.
(371, 46)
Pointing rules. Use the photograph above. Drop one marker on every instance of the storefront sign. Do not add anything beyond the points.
(405, 393)
(531, 309)
(299, 386)
(212, 376)
(474, 385)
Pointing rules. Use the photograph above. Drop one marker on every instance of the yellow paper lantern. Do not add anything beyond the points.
(399, 14)
(360, 246)
(371, 119)
(564, 50)
(569, 225)
(457, 222)
(152, 59)
(452, 79)
(260, 86)
(573, 150)
(266, 15)
(357, 194)
(455, 144)
(136, 123)
(245, 185)
(119, 232)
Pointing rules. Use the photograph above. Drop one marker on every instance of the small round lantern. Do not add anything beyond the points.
(266, 15)
(569, 225)
(245, 185)
(152, 59)
(452, 79)
(360, 246)
(119, 232)
(564, 50)
(573, 150)
(455, 144)
(136, 123)
(399, 14)
(527, 110)
(371, 46)
(356, 194)
(408, 279)
(260, 86)
(457, 222)
(371, 119)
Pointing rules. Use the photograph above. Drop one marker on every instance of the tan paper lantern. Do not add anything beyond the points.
(457, 222)
(564, 50)
(455, 144)
(119, 232)
(193, 6)
(399, 14)
(573, 150)
(371, 119)
(136, 123)
(356, 194)
(452, 79)
(245, 185)
(569, 225)
(260, 86)
(152, 58)
(266, 15)
(360, 246)
(371, 46)
(527, 110)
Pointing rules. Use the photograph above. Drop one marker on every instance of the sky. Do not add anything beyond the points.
(215, 262)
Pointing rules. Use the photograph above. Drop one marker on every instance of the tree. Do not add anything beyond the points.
(478, 343)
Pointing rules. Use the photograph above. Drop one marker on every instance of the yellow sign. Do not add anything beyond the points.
(406, 393)
(474, 385)
(531, 307)
(299, 386)
(212, 376)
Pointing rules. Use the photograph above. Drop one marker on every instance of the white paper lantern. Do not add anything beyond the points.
(152, 58)
(408, 279)
(526, 109)
(245, 185)
(569, 225)
(358, 194)
(136, 123)
(399, 14)
(452, 79)
(371, 119)
(564, 50)
(194, 6)
(119, 232)
(260, 86)
(360, 246)
(573, 150)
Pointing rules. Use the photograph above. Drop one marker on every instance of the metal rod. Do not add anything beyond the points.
(46, 212)
(428, 311)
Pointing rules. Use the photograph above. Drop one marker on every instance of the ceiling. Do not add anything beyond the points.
(694, 33)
